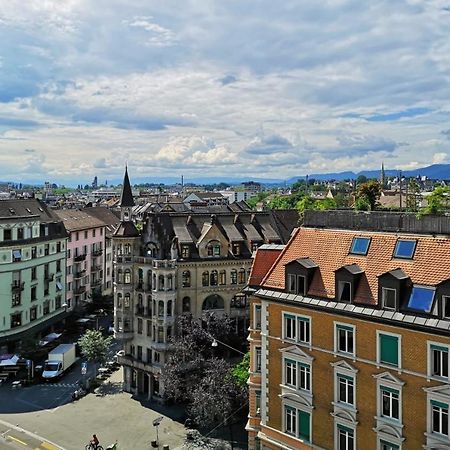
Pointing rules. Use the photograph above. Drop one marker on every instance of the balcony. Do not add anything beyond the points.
(142, 287)
(17, 286)
(79, 290)
(49, 276)
(97, 252)
(164, 264)
(123, 334)
(95, 268)
(96, 283)
(79, 274)
(143, 311)
(121, 259)
(129, 361)
(79, 258)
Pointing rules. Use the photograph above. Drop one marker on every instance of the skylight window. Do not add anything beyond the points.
(421, 298)
(405, 248)
(360, 246)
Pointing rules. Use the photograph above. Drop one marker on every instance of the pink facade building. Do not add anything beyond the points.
(85, 256)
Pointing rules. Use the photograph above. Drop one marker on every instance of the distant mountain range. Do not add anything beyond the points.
(435, 172)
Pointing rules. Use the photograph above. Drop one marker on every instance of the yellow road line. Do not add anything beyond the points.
(48, 446)
(17, 440)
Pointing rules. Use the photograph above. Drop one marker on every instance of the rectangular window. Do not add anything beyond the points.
(344, 291)
(290, 372)
(257, 318)
(360, 246)
(304, 376)
(86, 234)
(446, 307)
(390, 403)
(7, 236)
(345, 389)
(257, 359)
(439, 418)
(257, 403)
(345, 438)
(290, 329)
(290, 420)
(33, 313)
(139, 326)
(388, 298)
(20, 233)
(303, 330)
(345, 339)
(292, 283)
(384, 445)
(33, 293)
(33, 273)
(439, 361)
(388, 349)
(301, 285)
(17, 255)
(405, 248)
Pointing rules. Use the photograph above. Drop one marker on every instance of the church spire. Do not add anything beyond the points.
(126, 198)
(382, 176)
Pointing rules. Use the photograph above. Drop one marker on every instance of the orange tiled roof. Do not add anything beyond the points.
(263, 261)
(329, 249)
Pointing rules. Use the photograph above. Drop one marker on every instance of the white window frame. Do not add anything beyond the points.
(384, 391)
(257, 306)
(383, 302)
(290, 404)
(290, 366)
(389, 440)
(341, 290)
(299, 321)
(292, 277)
(445, 298)
(430, 350)
(258, 359)
(336, 434)
(343, 325)
(302, 377)
(399, 343)
(340, 375)
(390, 384)
(286, 421)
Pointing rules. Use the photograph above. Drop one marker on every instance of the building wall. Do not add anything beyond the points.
(91, 269)
(413, 373)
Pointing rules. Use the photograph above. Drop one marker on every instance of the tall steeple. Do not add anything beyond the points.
(382, 176)
(126, 198)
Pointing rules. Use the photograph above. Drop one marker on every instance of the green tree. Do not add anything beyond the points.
(361, 180)
(412, 199)
(240, 371)
(370, 192)
(438, 201)
(94, 346)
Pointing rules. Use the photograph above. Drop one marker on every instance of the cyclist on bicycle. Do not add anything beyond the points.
(94, 442)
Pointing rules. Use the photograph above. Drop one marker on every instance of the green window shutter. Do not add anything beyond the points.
(289, 316)
(301, 364)
(388, 349)
(388, 389)
(344, 428)
(345, 377)
(439, 404)
(438, 348)
(303, 319)
(304, 420)
(343, 327)
(390, 446)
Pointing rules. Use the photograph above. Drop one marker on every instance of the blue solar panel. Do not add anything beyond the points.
(421, 299)
(360, 245)
(405, 249)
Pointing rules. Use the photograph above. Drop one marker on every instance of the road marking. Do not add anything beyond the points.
(17, 440)
(48, 446)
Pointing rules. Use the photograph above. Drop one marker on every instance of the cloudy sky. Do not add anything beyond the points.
(202, 88)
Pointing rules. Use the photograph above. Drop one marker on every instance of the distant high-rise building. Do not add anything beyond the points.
(95, 183)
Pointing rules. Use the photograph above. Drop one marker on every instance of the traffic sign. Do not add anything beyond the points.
(83, 368)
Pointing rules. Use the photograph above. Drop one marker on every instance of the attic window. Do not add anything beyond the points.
(405, 248)
(344, 291)
(41, 210)
(421, 298)
(360, 246)
(28, 210)
(11, 210)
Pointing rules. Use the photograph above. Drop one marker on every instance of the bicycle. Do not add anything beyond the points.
(93, 447)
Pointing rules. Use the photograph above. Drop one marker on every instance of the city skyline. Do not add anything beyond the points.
(250, 90)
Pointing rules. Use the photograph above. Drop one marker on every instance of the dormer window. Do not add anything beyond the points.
(346, 282)
(360, 245)
(421, 298)
(389, 298)
(213, 248)
(405, 248)
(185, 253)
(236, 248)
(299, 274)
(446, 306)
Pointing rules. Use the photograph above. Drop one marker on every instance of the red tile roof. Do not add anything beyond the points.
(329, 249)
(263, 261)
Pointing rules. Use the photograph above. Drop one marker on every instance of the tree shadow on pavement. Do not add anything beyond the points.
(109, 388)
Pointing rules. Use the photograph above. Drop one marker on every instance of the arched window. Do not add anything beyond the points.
(169, 308)
(119, 300)
(161, 283)
(140, 276)
(127, 276)
(241, 278)
(214, 278)
(223, 277)
(127, 300)
(186, 279)
(151, 250)
(213, 302)
(233, 275)
(205, 278)
(119, 276)
(140, 301)
(186, 304)
(169, 282)
(149, 305)
(160, 308)
(127, 248)
(155, 287)
(213, 248)
(119, 250)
